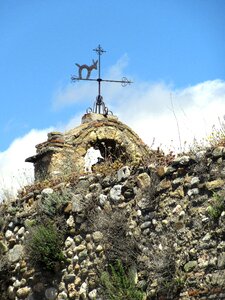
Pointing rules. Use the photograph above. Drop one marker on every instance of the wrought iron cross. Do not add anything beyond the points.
(99, 105)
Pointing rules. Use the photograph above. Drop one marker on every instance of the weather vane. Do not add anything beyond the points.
(99, 105)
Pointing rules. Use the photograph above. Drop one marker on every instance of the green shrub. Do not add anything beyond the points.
(117, 285)
(217, 206)
(44, 247)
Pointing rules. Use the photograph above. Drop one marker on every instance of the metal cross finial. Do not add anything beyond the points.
(99, 106)
(99, 50)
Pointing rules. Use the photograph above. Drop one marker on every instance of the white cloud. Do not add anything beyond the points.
(164, 113)
(14, 172)
(154, 110)
(73, 94)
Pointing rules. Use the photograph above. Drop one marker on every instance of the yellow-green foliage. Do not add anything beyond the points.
(217, 137)
(217, 206)
(117, 285)
(107, 167)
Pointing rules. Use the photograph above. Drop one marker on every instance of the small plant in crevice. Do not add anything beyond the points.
(217, 137)
(117, 284)
(216, 207)
(44, 247)
(107, 167)
(52, 204)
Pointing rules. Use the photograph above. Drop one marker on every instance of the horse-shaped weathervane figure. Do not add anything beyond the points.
(88, 68)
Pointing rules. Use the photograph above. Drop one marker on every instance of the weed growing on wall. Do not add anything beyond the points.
(107, 167)
(217, 206)
(44, 247)
(217, 137)
(117, 285)
(53, 203)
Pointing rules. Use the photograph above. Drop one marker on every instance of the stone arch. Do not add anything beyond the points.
(115, 140)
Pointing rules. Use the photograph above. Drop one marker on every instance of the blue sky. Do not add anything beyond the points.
(167, 47)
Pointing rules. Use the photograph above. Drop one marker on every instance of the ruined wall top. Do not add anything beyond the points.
(65, 153)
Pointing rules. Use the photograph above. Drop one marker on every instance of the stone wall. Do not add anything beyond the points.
(165, 222)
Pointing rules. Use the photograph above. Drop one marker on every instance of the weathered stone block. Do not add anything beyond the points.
(123, 173)
(143, 181)
(215, 184)
(16, 253)
(221, 260)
